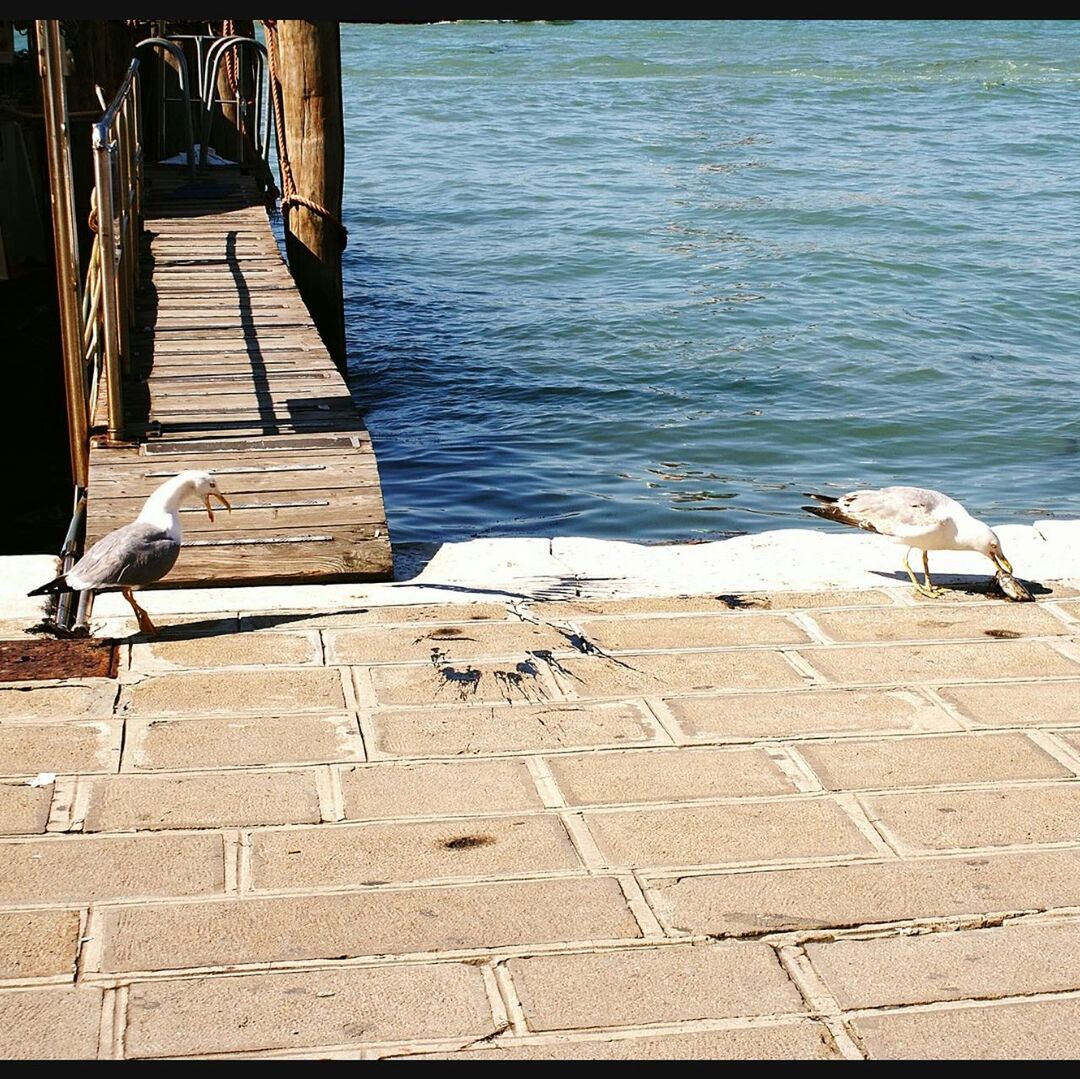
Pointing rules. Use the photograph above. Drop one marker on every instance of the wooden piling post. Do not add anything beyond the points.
(312, 148)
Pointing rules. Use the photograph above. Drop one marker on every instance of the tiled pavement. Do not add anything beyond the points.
(816, 825)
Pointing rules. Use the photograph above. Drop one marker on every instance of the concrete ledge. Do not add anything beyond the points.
(794, 559)
(18, 575)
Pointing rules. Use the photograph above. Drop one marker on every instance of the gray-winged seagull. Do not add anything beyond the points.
(142, 552)
(918, 518)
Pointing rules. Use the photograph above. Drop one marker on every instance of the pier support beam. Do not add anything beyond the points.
(309, 70)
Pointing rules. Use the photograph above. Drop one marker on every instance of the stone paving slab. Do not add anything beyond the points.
(738, 904)
(1013, 960)
(436, 788)
(998, 817)
(227, 650)
(61, 702)
(746, 717)
(652, 985)
(805, 1041)
(517, 679)
(735, 832)
(63, 869)
(667, 775)
(1026, 704)
(352, 854)
(933, 663)
(633, 634)
(930, 761)
(24, 810)
(290, 690)
(240, 741)
(221, 800)
(49, 1024)
(451, 732)
(38, 943)
(84, 747)
(999, 620)
(375, 922)
(309, 1008)
(743, 824)
(632, 674)
(448, 643)
(1021, 1030)
(389, 615)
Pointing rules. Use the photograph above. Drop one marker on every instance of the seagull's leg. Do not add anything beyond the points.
(145, 625)
(921, 590)
(931, 588)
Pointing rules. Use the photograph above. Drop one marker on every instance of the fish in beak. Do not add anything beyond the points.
(221, 498)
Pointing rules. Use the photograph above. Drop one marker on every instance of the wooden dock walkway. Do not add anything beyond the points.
(230, 375)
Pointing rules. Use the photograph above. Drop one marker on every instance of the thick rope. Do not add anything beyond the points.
(290, 197)
(228, 28)
(232, 75)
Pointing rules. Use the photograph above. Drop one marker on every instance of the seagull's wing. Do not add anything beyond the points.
(133, 555)
(898, 511)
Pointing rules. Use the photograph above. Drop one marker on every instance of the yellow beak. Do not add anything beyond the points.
(221, 498)
(1001, 562)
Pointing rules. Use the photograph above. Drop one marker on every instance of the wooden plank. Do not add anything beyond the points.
(281, 356)
(297, 405)
(290, 341)
(315, 561)
(301, 475)
(251, 387)
(242, 427)
(257, 445)
(199, 366)
(268, 513)
(241, 451)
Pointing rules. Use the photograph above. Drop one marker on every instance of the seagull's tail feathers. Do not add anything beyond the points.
(834, 513)
(57, 584)
(820, 498)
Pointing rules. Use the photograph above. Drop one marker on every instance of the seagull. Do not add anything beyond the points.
(142, 552)
(918, 518)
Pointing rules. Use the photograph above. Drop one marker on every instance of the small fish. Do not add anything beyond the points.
(1011, 588)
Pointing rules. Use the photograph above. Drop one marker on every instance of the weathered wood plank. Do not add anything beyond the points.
(300, 475)
(266, 513)
(315, 561)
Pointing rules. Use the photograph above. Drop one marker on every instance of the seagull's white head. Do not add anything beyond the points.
(203, 486)
(986, 542)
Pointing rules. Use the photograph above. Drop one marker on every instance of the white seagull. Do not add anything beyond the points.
(142, 552)
(918, 518)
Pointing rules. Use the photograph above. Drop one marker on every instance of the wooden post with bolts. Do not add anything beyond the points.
(309, 70)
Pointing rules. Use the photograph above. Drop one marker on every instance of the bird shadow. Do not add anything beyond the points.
(547, 590)
(974, 584)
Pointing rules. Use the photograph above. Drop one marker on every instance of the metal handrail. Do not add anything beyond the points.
(114, 261)
(215, 53)
(185, 89)
(65, 240)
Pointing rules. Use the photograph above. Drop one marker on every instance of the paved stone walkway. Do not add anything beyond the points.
(787, 825)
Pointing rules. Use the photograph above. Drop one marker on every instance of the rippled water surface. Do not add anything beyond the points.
(652, 281)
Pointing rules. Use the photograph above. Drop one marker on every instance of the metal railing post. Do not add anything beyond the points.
(215, 54)
(65, 241)
(185, 88)
(110, 288)
(96, 321)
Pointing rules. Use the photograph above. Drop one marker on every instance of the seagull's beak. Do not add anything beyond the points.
(1001, 562)
(221, 498)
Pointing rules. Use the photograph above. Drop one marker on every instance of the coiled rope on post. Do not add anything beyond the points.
(290, 197)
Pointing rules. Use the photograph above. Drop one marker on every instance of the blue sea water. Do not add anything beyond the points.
(651, 281)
